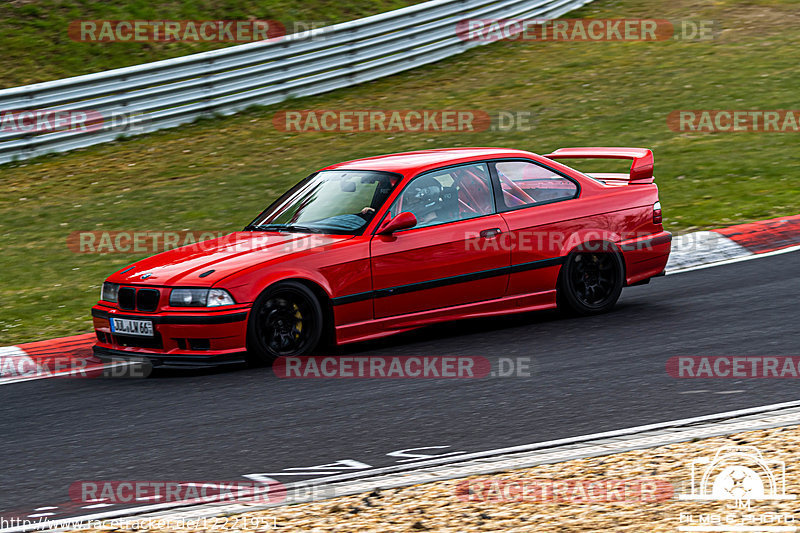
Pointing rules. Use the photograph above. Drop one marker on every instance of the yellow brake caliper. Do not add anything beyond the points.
(299, 323)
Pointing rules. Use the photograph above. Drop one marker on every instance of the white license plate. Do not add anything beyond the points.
(126, 326)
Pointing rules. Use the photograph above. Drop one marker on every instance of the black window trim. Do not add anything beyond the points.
(486, 162)
(503, 208)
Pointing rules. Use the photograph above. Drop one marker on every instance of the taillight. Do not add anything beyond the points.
(657, 213)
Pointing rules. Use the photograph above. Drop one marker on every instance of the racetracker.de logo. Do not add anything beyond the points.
(133, 242)
(391, 367)
(734, 120)
(158, 31)
(727, 367)
(48, 120)
(556, 241)
(567, 491)
(491, 30)
(404, 120)
(143, 241)
(21, 366)
(160, 491)
(388, 120)
(16, 365)
(34, 121)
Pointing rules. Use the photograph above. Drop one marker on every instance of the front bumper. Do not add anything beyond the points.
(200, 338)
(107, 355)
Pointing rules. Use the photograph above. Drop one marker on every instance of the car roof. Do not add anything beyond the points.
(409, 163)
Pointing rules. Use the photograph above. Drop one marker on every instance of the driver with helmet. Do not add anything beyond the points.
(423, 198)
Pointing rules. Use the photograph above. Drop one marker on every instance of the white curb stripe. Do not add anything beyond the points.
(703, 247)
(16, 366)
(14, 362)
(47, 374)
(736, 260)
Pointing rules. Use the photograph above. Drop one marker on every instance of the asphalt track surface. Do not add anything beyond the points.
(590, 374)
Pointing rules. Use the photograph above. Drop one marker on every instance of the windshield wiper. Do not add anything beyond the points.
(282, 227)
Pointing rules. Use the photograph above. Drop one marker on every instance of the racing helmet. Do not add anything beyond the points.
(424, 195)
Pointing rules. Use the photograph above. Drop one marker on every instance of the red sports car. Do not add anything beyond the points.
(385, 244)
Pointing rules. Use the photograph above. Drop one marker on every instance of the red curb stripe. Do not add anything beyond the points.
(76, 345)
(56, 348)
(79, 339)
(765, 235)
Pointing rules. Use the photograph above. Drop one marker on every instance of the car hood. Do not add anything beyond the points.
(191, 265)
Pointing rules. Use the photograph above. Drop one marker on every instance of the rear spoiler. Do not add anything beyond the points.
(641, 168)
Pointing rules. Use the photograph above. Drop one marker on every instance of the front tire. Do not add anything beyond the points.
(590, 282)
(286, 321)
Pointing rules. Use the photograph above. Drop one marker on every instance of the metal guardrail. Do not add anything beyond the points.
(168, 93)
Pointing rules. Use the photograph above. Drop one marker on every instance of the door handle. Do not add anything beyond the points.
(489, 233)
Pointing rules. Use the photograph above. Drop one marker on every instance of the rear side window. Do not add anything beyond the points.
(524, 184)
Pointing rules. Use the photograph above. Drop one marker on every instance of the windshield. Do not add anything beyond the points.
(330, 201)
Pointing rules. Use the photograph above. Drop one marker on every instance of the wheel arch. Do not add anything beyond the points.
(319, 288)
(328, 321)
(599, 243)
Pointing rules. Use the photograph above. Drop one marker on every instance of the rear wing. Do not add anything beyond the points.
(641, 168)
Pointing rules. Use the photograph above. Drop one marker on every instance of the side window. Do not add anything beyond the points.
(524, 183)
(448, 195)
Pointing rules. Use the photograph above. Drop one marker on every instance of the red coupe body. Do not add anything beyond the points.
(514, 219)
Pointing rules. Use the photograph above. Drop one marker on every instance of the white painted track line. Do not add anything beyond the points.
(735, 260)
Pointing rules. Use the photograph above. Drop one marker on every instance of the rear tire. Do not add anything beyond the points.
(286, 320)
(590, 282)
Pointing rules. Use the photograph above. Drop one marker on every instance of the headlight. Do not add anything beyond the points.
(188, 297)
(200, 298)
(109, 292)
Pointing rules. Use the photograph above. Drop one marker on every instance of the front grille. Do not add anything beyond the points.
(126, 298)
(147, 299)
(130, 298)
(153, 343)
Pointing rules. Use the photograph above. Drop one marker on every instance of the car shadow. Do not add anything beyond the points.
(425, 334)
(449, 330)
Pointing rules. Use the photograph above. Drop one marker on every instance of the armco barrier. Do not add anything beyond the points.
(172, 92)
